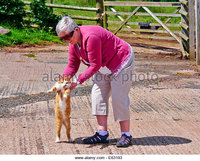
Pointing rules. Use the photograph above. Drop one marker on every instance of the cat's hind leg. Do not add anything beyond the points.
(68, 129)
(58, 129)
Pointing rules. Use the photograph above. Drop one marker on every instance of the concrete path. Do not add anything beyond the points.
(165, 104)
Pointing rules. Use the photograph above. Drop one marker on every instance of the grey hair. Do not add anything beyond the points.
(65, 24)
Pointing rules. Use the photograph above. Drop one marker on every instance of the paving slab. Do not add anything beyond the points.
(165, 104)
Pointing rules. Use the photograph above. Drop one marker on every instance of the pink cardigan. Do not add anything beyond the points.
(100, 48)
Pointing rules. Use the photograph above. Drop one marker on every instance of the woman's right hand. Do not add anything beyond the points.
(73, 85)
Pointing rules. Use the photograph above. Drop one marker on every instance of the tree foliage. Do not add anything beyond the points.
(42, 15)
(12, 12)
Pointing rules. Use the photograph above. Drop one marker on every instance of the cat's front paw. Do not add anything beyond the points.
(57, 140)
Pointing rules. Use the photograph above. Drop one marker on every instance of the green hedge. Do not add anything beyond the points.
(43, 16)
(12, 12)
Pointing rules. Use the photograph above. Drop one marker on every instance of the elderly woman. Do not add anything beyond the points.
(111, 61)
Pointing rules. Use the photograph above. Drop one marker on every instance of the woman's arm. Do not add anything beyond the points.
(73, 63)
(94, 51)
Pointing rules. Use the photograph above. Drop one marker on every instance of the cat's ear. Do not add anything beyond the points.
(67, 78)
(61, 78)
(53, 89)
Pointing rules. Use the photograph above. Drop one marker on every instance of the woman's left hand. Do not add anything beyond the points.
(73, 85)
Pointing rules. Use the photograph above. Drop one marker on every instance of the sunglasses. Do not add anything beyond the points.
(67, 37)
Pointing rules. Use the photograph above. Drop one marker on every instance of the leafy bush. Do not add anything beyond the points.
(12, 12)
(42, 15)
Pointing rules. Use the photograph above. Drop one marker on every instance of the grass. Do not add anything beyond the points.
(32, 55)
(27, 36)
(92, 3)
(41, 37)
(176, 119)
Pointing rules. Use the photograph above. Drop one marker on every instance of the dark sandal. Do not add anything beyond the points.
(96, 139)
(124, 141)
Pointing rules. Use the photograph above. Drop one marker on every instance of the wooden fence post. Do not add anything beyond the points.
(184, 27)
(191, 6)
(187, 27)
(99, 5)
(105, 19)
(51, 8)
(197, 8)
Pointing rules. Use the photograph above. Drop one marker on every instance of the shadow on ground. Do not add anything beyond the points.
(145, 141)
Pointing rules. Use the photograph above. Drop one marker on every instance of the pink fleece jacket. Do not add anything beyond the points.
(99, 48)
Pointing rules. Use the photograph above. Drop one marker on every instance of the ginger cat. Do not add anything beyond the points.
(62, 108)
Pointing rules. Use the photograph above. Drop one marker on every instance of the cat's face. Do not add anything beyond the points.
(61, 85)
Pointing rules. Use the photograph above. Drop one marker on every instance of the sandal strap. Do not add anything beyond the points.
(96, 139)
(124, 141)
